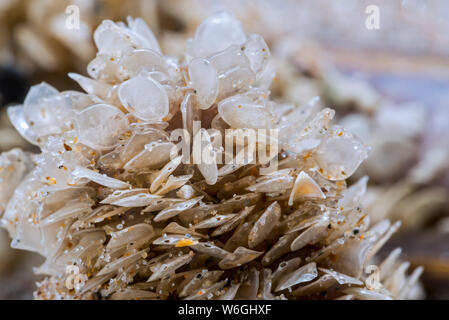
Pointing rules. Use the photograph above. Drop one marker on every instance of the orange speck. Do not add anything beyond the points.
(254, 172)
(307, 155)
(33, 217)
(185, 243)
(53, 181)
(340, 134)
(67, 147)
(361, 237)
(239, 106)
(361, 220)
(75, 140)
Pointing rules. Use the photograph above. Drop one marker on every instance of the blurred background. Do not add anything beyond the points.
(382, 65)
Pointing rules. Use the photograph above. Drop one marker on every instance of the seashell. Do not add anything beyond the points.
(210, 249)
(231, 292)
(273, 183)
(207, 292)
(174, 183)
(121, 263)
(120, 194)
(136, 200)
(173, 227)
(186, 192)
(354, 194)
(285, 267)
(69, 211)
(133, 294)
(304, 274)
(139, 233)
(198, 281)
(265, 286)
(365, 294)
(233, 223)
(190, 112)
(341, 278)
(205, 156)
(171, 240)
(160, 203)
(322, 283)
(164, 173)
(250, 287)
(102, 214)
(239, 257)
(305, 186)
(101, 179)
(153, 156)
(214, 221)
(169, 266)
(264, 225)
(176, 209)
(310, 235)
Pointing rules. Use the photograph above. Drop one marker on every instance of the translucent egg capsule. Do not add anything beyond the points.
(103, 67)
(139, 60)
(100, 125)
(217, 33)
(241, 112)
(340, 155)
(204, 79)
(145, 98)
(234, 71)
(257, 52)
